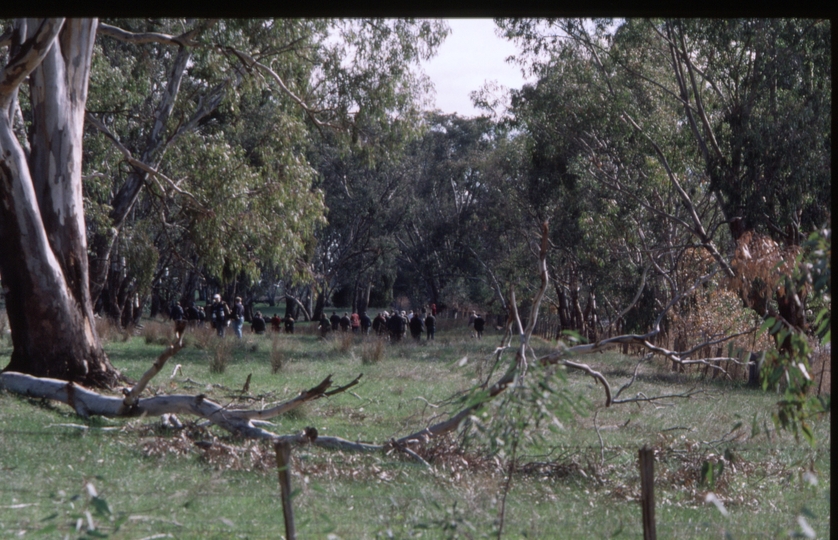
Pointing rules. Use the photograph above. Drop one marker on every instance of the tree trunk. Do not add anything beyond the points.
(319, 304)
(43, 247)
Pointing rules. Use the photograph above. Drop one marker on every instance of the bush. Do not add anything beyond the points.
(221, 351)
(202, 337)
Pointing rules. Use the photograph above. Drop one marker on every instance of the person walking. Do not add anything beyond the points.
(379, 324)
(325, 326)
(219, 311)
(258, 325)
(366, 323)
(355, 323)
(289, 324)
(335, 320)
(416, 326)
(345, 322)
(177, 312)
(430, 325)
(479, 324)
(238, 317)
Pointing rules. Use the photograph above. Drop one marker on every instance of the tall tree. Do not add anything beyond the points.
(43, 251)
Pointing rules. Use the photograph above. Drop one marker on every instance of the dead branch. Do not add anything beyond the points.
(634, 375)
(302, 307)
(644, 398)
(133, 395)
(138, 38)
(139, 164)
(595, 374)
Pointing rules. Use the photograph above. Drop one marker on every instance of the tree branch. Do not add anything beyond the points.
(29, 56)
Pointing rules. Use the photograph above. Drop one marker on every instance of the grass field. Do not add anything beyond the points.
(579, 480)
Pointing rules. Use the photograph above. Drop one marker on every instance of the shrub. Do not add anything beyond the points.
(221, 351)
(202, 337)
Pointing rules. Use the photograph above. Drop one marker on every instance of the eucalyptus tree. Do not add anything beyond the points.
(170, 93)
(733, 114)
(446, 189)
(364, 185)
(252, 90)
(43, 249)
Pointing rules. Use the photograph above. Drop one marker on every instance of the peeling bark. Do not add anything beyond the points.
(43, 248)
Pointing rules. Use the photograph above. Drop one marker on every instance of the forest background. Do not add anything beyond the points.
(671, 177)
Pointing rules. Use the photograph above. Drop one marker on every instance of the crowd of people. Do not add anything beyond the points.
(221, 316)
(395, 325)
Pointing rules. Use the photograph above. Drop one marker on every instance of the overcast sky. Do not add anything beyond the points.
(471, 55)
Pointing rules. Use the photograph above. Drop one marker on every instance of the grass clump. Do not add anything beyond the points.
(200, 337)
(110, 330)
(372, 350)
(277, 354)
(344, 341)
(220, 352)
(158, 333)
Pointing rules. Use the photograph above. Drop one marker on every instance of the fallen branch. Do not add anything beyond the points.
(595, 374)
(133, 395)
(89, 403)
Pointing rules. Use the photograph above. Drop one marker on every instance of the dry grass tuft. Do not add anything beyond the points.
(344, 341)
(201, 337)
(158, 333)
(111, 331)
(221, 352)
(277, 354)
(372, 351)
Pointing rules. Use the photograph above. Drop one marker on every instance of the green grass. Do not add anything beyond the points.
(568, 484)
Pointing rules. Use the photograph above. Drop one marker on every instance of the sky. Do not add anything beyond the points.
(471, 55)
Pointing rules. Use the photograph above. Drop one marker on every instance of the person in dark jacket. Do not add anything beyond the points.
(325, 326)
(177, 312)
(289, 324)
(192, 314)
(345, 322)
(430, 325)
(366, 323)
(379, 324)
(396, 324)
(258, 325)
(219, 311)
(479, 325)
(335, 320)
(416, 327)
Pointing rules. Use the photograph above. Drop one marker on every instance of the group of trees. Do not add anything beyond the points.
(185, 166)
(677, 162)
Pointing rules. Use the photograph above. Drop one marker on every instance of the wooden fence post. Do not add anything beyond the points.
(647, 491)
(283, 465)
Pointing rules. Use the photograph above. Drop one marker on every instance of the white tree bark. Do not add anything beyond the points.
(43, 248)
